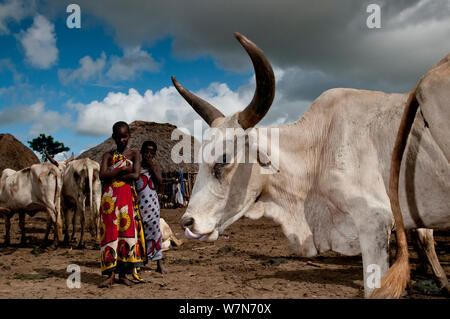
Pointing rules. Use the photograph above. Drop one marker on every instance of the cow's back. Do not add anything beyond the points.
(362, 128)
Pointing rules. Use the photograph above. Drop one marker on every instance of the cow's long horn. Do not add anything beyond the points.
(208, 112)
(69, 159)
(265, 84)
(51, 159)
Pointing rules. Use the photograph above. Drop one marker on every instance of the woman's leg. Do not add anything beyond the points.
(108, 282)
(123, 279)
(160, 267)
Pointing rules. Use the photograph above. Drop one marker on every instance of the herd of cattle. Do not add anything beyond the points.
(59, 187)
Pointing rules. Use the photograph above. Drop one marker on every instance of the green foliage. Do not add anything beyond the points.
(53, 147)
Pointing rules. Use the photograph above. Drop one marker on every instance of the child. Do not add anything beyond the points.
(149, 205)
(122, 238)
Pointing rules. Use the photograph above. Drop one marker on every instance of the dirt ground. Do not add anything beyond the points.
(252, 259)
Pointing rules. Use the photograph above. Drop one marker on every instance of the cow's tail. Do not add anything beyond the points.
(57, 202)
(394, 282)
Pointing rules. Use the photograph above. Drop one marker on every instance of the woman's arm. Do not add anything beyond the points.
(133, 174)
(106, 173)
(155, 169)
(157, 172)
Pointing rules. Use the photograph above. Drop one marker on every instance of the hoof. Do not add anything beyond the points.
(23, 244)
(446, 290)
(80, 246)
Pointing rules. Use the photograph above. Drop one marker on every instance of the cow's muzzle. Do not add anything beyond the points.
(186, 222)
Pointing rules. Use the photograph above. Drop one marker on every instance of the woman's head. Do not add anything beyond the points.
(121, 134)
(148, 149)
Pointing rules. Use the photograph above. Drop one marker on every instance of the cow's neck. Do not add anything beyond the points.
(284, 194)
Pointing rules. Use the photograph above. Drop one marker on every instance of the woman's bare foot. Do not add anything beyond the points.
(160, 267)
(125, 281)
(108, 282)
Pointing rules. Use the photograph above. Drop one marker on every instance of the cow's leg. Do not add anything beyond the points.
(370, 212)
(417, 245)
(56, 221)
(58, 227)
(424, 244)
(66, 225)
(7, 216)
(74, 224)
(176, 241)
(23, 239)
(81, 211)
(47, 231)
(374, 233)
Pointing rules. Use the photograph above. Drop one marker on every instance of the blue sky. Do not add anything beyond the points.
(75, 83)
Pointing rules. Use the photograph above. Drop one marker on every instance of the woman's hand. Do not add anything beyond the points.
(127, 169)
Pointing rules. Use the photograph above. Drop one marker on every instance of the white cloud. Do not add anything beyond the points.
(42, 119)
(39, 42)
(164, 106)
(89, 69)
(61, 157)
(167, 106)
(133, 61)
(15, 10)
(104, 70)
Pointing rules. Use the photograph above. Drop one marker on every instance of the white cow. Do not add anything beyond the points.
(81, 188)
(432, 96)
(168, 237)
(329, 188)
(33, 189)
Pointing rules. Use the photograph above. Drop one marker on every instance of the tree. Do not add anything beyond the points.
(53, 147)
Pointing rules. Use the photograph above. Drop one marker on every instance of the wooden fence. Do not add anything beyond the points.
(165, 193)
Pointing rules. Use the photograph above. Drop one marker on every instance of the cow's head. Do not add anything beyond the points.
(228, 185)
(62, 165)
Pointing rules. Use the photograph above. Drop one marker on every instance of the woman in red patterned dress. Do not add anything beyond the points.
(122, 238)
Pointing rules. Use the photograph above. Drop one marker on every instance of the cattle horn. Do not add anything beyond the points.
(208, 112)
(51, 159)
(69, 159)
(265, 84)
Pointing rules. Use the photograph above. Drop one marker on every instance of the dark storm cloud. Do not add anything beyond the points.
(319, 44)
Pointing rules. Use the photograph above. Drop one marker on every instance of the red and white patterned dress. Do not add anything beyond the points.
(122, 237)
(149, 208)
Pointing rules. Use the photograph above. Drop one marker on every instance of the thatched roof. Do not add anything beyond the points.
(142, 131)
(15, 155)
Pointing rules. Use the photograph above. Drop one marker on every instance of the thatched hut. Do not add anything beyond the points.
(15, 155)
(161, 134)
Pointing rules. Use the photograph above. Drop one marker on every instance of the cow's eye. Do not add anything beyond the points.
(217, 169)
(224, 159)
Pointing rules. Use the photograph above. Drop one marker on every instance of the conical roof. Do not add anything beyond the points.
(15, 155)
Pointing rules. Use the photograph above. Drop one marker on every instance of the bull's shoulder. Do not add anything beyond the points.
(76, 165)
(436, 77)
(91, 163)
(8, 172)
(45, 169)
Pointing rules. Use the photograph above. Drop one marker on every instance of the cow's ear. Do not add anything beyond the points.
(266, 164)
